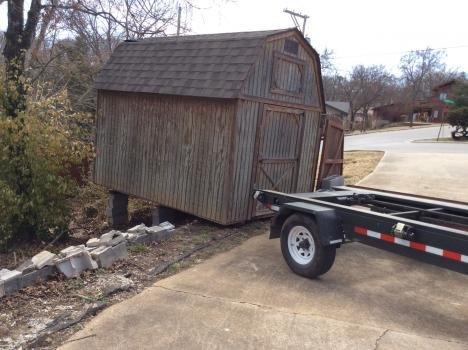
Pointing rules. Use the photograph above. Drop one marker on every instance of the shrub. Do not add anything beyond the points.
(37, 150)
(458, 117)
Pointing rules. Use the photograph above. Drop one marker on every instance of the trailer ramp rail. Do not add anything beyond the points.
(428, 229)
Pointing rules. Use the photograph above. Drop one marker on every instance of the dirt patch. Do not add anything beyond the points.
(359, 164)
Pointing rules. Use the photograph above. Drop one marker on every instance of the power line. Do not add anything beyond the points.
(401, 52)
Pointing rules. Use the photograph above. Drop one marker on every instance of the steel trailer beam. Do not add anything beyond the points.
(438, 243)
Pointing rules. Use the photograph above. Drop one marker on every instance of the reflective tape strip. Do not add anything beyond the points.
(362, 231)
(336, 241)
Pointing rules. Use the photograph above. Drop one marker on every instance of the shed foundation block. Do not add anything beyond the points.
(117, 209)
(161, 214)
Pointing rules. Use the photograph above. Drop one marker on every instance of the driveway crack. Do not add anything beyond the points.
(379, 338)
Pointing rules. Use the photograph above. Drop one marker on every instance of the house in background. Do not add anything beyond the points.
(339, 109)
(439, 94)
(432, 109)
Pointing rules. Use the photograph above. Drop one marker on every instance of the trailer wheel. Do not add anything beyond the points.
(301, 247)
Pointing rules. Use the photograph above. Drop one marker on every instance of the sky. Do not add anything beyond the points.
(359, 31)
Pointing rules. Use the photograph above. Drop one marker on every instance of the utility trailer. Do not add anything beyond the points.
(311, 226)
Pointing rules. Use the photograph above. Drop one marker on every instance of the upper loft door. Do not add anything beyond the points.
(278, 151)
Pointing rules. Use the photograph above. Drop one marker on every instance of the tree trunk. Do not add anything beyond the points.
(18, 40)
(14, 100)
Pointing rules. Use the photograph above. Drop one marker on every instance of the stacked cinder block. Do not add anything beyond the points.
(72, 261)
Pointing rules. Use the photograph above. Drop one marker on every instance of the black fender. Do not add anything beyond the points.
(329, 224)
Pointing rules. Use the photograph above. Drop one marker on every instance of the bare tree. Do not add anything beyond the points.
(421, 70)
(365, 88)
(101, 24)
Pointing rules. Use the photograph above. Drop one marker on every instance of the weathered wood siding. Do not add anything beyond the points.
(246, 154)
(173, 150)
(309, 152)
(279, 68)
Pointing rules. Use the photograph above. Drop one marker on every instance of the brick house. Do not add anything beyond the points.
(439, 94)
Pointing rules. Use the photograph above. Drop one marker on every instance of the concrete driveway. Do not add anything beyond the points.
(248, 298)
(441, 175)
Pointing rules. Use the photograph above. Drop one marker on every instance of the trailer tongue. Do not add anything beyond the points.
(312, 225)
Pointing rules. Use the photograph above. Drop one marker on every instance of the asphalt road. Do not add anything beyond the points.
(401, 141)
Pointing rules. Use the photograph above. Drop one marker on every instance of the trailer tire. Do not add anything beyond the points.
(302, 249)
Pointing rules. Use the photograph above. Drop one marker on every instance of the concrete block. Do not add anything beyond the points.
(117, 200)
(2, 289)
(161, 214)
(117, 209)
(141, 238)
(37, 276)
(93, 242)
(11, 281)
(26, 266)
(106, 256)
(71, 250)
(167, 225)
(160, 232)
(138, 229)
(111, 238)
(42, 259)
(74, 265)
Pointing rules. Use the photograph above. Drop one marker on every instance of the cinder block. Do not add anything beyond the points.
(142, 238)
(117, 209)
(74, 265)
(42, 259)
(138, 229)
(26, 267)
(2, 289)
(11, 280)
(37, 276)
(111, 238)
(160, 232)
(106, 256)
(162, 214)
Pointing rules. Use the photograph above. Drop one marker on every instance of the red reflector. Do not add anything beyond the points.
(418, 246)
(452, 255)
(387, 238)
(360, 230)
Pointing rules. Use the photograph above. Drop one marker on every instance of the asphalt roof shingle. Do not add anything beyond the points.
(212, 65)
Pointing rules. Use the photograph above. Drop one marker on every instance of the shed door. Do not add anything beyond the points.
(279, 143)
(332, 149)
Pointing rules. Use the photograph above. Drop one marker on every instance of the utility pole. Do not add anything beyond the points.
(179, 14)
(294, 16)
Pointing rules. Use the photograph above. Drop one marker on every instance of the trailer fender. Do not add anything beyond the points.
(329, 224)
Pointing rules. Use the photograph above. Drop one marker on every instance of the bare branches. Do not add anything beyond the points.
(136, 18)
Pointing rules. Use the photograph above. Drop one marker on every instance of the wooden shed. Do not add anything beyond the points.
(195, 123)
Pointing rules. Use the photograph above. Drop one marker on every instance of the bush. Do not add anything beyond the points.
(37, 150)
(458, 117)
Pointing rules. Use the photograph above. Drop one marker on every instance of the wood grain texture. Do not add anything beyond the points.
(171, 150)
(205, 155)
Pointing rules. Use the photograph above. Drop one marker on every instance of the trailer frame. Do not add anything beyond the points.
(428, 229)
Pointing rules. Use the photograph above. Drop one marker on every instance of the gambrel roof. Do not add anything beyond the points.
(212, 65)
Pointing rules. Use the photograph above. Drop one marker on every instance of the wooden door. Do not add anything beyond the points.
(278, 151)
(332, 149)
